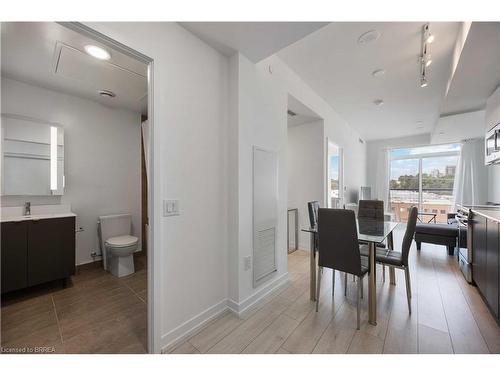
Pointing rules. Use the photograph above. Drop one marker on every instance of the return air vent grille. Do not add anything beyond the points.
(264, 254)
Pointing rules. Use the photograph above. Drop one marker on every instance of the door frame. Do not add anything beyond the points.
(153, 283)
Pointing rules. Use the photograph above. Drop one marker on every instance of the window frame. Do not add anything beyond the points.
(420, 158)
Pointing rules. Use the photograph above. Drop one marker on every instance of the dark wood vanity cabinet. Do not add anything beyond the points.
(486, 260)
(37, 251)
(14, 255)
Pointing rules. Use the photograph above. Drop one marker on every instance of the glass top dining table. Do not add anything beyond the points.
(370, 231)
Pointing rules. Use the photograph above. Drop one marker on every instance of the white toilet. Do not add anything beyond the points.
(117, 244)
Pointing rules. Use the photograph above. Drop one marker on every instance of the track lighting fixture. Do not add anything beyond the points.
(425, 56)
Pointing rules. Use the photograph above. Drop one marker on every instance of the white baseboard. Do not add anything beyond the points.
(194, 325)
(265, 290)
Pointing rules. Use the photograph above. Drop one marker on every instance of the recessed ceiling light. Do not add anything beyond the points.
(107, 93)
(378, 102)
(97, 52)
(423, 82)
(368, 37)
(378, 72)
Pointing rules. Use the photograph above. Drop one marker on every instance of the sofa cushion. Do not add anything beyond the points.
(444, 230)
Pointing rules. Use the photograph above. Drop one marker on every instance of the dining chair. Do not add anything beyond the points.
(399, 259)
(339, 248)
(372, 209)
(313, 208)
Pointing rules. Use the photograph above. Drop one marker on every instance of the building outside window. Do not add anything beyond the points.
(423, 177)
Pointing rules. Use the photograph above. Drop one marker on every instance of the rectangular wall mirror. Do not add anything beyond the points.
(32, 156)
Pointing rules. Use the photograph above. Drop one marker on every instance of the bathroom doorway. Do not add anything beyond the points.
(98, 92)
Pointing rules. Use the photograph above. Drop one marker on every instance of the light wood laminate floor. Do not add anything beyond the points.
(96, 313)
(448, 315)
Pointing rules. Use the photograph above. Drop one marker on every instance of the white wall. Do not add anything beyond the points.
(374, 148)
(455, 128)
(492, 118)
(261, 119)
(102, 157)
(189, 140)
(305, 160)
(202, 142)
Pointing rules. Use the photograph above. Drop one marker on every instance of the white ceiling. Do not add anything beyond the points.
(255, 40)
(478, 71)
(303, 113)
(49, 55)
(339, 69)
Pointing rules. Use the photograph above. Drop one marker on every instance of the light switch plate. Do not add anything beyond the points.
(171, 207)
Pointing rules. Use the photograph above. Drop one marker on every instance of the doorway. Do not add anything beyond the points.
(94, 294)
(305, 170)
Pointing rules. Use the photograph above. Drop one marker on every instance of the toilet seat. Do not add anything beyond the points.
(122, 241)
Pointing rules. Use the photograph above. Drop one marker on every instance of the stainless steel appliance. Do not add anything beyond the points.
(464, 216)
(492, 146)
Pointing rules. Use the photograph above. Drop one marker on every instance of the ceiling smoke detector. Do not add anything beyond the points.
(107, 94)
(368, 37)
(378, 102)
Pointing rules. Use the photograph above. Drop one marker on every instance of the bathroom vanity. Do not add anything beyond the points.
(37, 242)
(36, 249)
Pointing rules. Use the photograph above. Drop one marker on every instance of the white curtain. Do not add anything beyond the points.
(382, 179)
(468, 187)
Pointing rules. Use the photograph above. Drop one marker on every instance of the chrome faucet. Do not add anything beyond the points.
(27, 208)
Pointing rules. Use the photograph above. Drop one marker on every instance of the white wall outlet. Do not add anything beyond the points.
(247, 262)
(171, 207)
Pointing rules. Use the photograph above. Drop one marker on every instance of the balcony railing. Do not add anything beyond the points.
(435, 201)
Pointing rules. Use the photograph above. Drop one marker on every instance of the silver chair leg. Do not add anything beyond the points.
(408, 288)
(345, 283)
(318, 287)
(362, 288)
(383, 273)
(358, 307)
(333, 283)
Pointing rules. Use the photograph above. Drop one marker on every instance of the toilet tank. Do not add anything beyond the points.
(115, 225)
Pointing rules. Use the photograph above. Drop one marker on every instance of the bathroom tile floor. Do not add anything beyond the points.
(96, 313)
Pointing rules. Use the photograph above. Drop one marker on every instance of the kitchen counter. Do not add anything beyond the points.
(488, 211)
(489, 214)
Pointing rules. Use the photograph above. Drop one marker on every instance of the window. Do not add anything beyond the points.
(423, 177)
(335, 183)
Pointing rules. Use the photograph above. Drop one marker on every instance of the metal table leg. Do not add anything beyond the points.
(372, 287)
(312, 271)
(392, 273)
